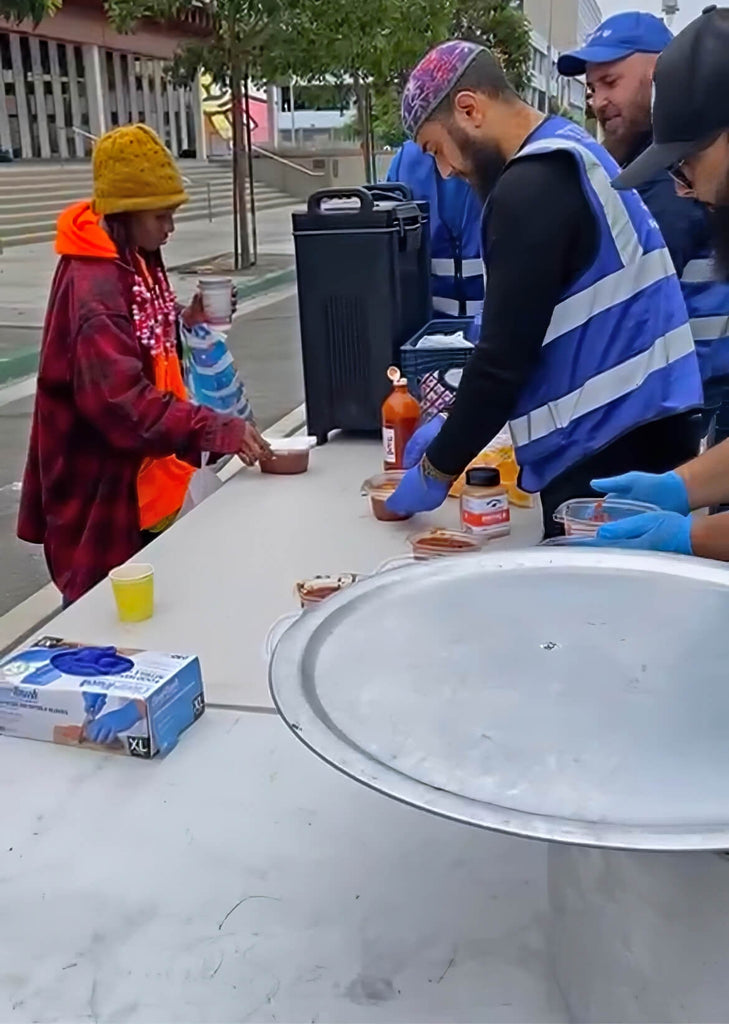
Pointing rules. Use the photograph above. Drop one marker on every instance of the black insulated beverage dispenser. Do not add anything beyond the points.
(363, 274)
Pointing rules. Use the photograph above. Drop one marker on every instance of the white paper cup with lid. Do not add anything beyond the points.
(217, 300)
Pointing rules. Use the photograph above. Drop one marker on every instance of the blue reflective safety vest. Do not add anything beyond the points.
(685, 228)
(707, 301)
(618, 352)
(455, 232)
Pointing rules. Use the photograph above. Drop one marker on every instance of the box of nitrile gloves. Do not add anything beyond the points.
(123, 701)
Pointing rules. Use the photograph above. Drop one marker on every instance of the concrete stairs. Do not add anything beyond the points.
(33, 194)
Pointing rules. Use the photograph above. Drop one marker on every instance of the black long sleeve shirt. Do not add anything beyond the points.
(541, 235)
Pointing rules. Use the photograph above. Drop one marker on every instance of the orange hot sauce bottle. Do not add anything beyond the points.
(400, 417)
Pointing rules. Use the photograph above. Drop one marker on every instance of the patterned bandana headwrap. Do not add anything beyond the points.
(433, 79)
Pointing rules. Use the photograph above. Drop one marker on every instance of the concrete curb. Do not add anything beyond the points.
(22, 362)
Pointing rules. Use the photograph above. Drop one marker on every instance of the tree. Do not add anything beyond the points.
(501, 27)
(496, 24)
(28, 10)
(239, 33)
(370, 45)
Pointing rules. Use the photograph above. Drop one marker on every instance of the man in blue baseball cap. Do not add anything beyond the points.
(618, 62)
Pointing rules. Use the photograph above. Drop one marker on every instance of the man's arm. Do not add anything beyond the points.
(710, 537)
(541, 235)
(707, 477)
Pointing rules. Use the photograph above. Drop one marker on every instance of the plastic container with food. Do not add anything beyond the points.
(378, 489)
(311, 592)
(290, 455)
(583, 517)
(441, 543)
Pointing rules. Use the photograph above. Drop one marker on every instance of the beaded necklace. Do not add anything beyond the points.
(154, 309)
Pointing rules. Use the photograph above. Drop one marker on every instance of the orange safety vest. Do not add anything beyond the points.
(162, 483)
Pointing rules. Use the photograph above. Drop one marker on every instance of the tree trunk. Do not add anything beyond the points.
(243, 256)
(363, 126)
(249, 150)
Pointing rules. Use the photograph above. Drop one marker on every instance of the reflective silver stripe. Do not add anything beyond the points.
(604, 388)
(447, 268)
(449, 306)
(621, 226)
(452, 307)
(709, 328)
(613, 289)
(699, 272)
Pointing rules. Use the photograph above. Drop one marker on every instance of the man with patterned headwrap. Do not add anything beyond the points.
(585, 346)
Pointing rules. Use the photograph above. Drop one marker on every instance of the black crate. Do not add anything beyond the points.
(416, 363)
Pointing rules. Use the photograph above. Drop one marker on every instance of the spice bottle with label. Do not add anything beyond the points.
(400, 417)
(485, 503)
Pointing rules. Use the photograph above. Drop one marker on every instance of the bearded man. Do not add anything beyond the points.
(585, 347)
(618, 61)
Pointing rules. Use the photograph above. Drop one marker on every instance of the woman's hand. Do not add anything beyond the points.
(195, 314)
(253, 447)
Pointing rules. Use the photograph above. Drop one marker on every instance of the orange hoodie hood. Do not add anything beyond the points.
(79, 232)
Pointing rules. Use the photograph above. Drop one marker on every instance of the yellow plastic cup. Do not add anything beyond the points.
(133, 587)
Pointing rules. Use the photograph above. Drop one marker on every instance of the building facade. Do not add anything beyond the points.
(558, 25)
(73, 77)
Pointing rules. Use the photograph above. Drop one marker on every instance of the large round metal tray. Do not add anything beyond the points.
(575, 695)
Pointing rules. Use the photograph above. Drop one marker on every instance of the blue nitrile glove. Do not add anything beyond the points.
(92, 661)
(651, 531)
(667, 490)
(417, 493)
(107, 728)
(419, 443)
(94, 703)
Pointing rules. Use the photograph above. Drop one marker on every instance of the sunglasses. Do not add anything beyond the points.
(677, 172)
(680, 177)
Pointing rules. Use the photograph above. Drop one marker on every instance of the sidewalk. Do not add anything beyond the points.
(26, 273)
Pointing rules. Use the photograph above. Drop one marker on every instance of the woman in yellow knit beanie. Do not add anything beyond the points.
(114, 440)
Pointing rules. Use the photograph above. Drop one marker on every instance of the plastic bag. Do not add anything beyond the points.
(203, 483)
(438, 391)
(210, 373)
(499, 454)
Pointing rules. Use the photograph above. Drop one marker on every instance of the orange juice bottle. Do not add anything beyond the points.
(400, 416)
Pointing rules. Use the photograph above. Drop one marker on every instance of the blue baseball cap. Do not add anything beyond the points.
(616, 38)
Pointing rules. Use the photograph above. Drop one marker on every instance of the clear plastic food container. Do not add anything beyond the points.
(442, 543)
(290, 455)
(378, 489)
(312, 591)
(583, 517)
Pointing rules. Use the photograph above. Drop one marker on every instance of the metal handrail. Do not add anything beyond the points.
(256, 149)
(287, 163)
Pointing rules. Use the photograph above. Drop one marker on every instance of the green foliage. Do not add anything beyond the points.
(35, 11)
(494, 23)
(374, 42)
(500, 26)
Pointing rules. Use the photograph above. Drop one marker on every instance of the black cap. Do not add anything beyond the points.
(690, 98)
(483, 476)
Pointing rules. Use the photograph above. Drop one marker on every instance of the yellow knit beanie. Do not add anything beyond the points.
(134, 170)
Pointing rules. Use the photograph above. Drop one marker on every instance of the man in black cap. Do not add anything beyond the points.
(691, 122)
(618, 61)
(691, 139)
